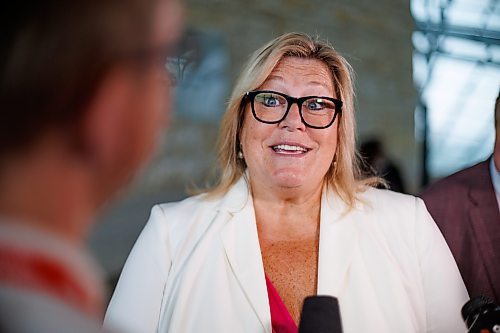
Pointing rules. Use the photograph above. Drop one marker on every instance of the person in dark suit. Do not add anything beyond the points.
(465, 206)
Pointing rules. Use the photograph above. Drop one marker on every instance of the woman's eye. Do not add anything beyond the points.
(271, 101)
(315, 105)
(319, 104)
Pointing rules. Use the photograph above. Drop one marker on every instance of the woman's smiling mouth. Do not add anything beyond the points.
(290, 149)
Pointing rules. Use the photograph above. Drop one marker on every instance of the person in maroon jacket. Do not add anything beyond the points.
(465, 206)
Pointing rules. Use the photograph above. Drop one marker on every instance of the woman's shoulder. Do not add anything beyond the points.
(400, 221)
(184, 210)
(382, 199)
(393, 212)
(176, 222)
(204, 205)
(188, 204)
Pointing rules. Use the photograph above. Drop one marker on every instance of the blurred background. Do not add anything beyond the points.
(427, 75)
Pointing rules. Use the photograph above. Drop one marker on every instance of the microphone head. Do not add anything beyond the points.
(475, 307)
(320, 314)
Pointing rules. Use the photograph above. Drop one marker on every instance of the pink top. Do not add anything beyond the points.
(281, 319)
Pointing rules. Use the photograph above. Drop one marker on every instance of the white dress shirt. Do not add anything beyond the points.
(495, 178)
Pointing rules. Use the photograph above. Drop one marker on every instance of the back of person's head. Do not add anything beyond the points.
(53, 55)
(371, 149)
(344, 173)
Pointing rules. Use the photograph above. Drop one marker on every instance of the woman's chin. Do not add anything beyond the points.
(289, 180)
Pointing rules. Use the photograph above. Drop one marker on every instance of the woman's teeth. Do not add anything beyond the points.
(289, 149)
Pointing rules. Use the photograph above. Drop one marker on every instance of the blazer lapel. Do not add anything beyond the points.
(485, 220)
(338, 240)
(241, 244)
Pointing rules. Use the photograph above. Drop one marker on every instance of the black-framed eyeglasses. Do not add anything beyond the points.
(272, 107)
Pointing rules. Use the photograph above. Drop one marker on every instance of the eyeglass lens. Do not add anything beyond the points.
(316, 111)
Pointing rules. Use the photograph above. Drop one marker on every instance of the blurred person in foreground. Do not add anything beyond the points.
(290, 217)
(83, 95)
(466, 207)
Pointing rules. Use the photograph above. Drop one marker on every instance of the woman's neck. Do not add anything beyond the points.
(287, 214)
(288, 228)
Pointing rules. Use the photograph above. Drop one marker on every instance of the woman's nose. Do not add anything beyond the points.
(293, 120)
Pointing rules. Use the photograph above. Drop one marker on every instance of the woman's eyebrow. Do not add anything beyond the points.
(275, 78)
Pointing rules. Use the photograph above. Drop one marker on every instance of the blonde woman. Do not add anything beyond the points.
(290, 217)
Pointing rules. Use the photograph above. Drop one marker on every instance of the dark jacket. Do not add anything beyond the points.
(465, 208)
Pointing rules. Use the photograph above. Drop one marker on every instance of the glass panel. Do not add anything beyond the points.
(456, 69)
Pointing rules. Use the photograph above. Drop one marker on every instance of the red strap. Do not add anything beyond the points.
(281, 319)
(33, 271)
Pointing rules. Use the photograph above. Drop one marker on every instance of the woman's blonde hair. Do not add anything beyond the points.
(344, 174)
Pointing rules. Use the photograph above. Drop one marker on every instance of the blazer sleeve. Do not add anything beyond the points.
(136, 301)
(443, 287)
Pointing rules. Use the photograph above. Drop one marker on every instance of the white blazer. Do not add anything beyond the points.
(197, 267)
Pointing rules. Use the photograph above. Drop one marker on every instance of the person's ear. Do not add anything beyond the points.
(103, 123)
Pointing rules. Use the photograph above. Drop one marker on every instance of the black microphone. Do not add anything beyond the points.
(481, 315)
(320, 314)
